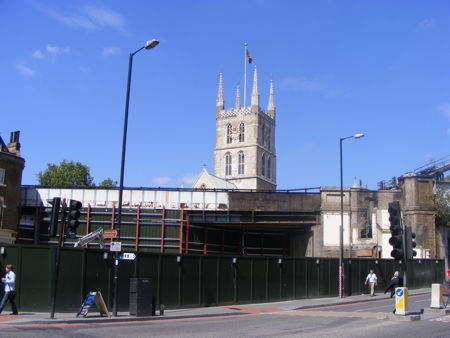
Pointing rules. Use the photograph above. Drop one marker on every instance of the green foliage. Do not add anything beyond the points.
(66, 174)
(107, 183)
(442, 205)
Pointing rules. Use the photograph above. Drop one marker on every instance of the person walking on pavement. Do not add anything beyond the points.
(10, 290)
(396, 281)
(372, 280)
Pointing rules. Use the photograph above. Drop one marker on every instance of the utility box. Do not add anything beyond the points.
(142, 301)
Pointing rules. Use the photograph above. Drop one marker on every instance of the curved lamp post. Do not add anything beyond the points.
(341, 228)
(148, 45)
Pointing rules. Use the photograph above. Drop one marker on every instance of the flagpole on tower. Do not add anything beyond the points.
(245, 74)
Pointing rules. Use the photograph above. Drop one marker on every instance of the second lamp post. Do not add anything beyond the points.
(341, 228)
(148, 45)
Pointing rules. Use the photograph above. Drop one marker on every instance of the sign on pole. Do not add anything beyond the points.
(116, 246)
(128, 256)
(110, 233)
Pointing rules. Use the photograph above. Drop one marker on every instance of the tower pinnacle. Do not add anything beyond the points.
(238, 98)
(271, 105)
(255, 93)
(220, 104)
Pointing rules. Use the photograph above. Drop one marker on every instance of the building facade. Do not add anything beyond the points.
(244, 152)
(11, 167)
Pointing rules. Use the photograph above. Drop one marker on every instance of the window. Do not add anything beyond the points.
(263, 167)
(2, 176)
(268, 137)
(229, 134)
(269, 162)
(227, 164)
(366, 231)
(241, 167)
(203, 186)
(242, 132)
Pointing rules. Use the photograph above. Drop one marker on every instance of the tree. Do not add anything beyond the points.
(66, 174)
(442, 205)
(107, 183)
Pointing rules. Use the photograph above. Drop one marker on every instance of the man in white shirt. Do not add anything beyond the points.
(372, 280)
(10, 290)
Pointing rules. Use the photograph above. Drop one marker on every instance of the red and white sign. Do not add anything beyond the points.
(110, 233)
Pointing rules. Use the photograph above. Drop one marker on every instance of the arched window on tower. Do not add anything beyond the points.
(229, 134)
(263, 165)
(269, 135)
(242, 132)
(227, 164)
(241, 167)
(269, 166)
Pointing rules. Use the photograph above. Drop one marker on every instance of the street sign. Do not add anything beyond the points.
(116, 246)
(128, 256)
(110, 233)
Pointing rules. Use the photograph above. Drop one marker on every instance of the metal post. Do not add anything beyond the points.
(122, 172)
(148, 45)
(57, 259)
(341, 230)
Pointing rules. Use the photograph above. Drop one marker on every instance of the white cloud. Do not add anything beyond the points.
(105, 17)
(25, 70)
(159, 181)
(444, 109)
(57, 49)
(38, 55)
(427, 24)
(188, 179)
(90, 18)
(110, 50)
(302, 83)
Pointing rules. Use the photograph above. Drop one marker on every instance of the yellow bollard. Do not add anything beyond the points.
(401, 301)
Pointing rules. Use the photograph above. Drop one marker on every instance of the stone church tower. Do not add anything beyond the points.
(245, 153)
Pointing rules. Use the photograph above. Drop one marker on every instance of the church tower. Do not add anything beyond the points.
(245, 153)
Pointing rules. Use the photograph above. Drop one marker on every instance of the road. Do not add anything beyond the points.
(365, 319)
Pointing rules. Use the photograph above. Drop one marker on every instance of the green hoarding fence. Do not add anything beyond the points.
(192, 280)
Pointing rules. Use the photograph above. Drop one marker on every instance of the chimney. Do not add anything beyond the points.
(14, 145)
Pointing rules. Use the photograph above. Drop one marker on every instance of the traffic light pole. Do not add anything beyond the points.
(57, 260)
(405, 256)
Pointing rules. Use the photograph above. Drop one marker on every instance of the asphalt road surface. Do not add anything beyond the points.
(365, 319)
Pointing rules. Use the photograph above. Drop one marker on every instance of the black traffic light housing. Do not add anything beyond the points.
(73, 215)
(396, 239)
(410, 242)
(50, 215)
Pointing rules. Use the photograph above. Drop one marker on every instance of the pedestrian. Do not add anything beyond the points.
(395, 282)
(372, 280)
(10, 290)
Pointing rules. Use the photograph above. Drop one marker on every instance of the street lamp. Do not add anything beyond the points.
(148, 45)
(341, 228)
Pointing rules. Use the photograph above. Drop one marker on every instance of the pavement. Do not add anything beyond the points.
(43, 318)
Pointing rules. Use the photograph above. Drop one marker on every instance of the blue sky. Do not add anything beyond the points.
(339, 68)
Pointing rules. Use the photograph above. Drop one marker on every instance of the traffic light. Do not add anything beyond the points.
(396, 239)
(50, 215)
(410, 239)
(73, 215)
